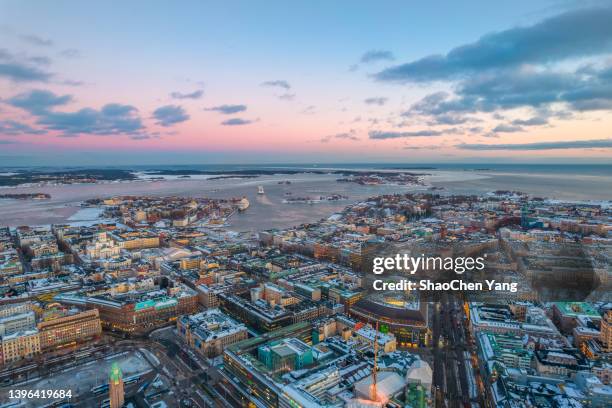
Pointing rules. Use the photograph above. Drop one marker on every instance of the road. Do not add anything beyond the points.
(454, 377)
(201, 382)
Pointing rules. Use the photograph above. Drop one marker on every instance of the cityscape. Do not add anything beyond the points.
(342, 204)
(161, 305)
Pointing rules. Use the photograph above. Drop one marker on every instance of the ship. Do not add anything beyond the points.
(260, 190)
(243, 204)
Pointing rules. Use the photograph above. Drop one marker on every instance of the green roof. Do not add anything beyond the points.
(577, 309)
(115, 373)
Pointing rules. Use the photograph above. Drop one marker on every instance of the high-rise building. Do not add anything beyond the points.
(115, 387)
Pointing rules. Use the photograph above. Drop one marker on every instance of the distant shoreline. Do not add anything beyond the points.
(25, 178)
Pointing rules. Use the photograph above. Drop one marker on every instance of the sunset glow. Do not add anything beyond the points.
(279, 83)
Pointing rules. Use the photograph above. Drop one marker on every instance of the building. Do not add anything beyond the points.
(10, 309)
(242, 362)
(260, 313)
(285, 355)
(115, 387)
(69, 328)
(567, 314)
(20, 345)
(17, 322)
(137, 313)
(10, 263)
(560, 362)
(407, 319)
(138, 239)
(210, 332)
(506, 348)
(386, 341)
(605, 334)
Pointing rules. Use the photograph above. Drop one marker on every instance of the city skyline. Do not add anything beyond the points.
(149, 83)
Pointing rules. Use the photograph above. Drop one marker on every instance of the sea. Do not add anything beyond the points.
(576, 182)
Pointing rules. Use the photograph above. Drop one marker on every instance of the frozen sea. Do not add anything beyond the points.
(268, 211)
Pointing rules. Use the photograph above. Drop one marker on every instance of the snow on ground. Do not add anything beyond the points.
(451, 176)
(82, 378)
(86, 214)
(149, 176)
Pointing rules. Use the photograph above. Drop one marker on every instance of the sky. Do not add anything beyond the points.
(163, 82)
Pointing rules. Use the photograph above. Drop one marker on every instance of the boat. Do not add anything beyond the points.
(260, 190)
(243, 204)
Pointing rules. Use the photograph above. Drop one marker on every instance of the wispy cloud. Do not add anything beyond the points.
(380, 101)
(350, 135)
(376, 55)
(14, 128)
(533, 121)
(377, 134)
(228, 109)
(576, 144)
(36, 40)
(70, 53)
(427, 147)
(190, 95)
(504, 128)
(237, 122)
(287, 96)
(277, 83)
(19, 69)
(309, 110)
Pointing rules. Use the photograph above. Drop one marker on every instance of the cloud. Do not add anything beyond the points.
(192, 95)
(376, 134)
(228, 109)
(534, 121)
(531, 67)
(14, 128)
(36, 40)
(237, 122)
(287, 97)
(111, 119)
(278, 83)
(428, 147)
(16, 70)
(70, 53)
(451, 119)
(309, 110)
(169, 115)
(376, 55)
(577, 144)
(40, 60)
(523, 88)
(350, 135)
(380, 101)
(37, 101)
(7, 142)
(72, 82)
(504, 128)
(575, 33)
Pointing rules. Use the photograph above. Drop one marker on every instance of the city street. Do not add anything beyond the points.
(454, 382)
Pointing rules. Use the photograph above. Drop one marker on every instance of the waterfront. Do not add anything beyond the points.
(269, 211)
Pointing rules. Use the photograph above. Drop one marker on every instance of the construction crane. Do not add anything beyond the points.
(373, 390)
